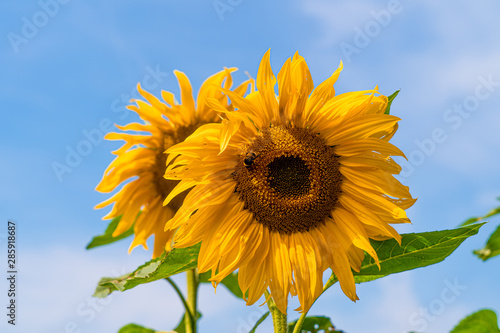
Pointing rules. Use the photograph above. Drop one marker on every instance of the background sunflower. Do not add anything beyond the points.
(139, 203)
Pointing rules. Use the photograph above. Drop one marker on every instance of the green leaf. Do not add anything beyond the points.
(314, 325)
(230, 281)
(168, 264)
(203, 277)
(181, 328)
(492, 247)
(389, 102)
(491, 213)
(483, 321)
(107, 237)
(416, 250)
(134, 328)
(264, 316)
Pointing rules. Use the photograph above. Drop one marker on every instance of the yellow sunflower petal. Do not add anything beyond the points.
(350, 226)
(321, 95)
(265, 85)
(360, 128)
(187, 99)
(369, 145)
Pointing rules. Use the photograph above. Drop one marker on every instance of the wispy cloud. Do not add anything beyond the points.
(56, 284)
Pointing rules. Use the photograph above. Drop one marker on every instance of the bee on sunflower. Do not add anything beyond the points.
(288, 185)
(139, 203)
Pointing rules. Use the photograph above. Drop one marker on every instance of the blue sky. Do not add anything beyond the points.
(68, 66)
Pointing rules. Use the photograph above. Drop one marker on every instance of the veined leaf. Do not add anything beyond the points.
(389, 102)
(483, 321)
(168, 264)
(492, 247)
(314, 324)
(261, 319)
(107, 237)
(416, 250)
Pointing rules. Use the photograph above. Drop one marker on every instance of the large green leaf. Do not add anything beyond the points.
(416, 250)
(389, 103)
(492, 247)
(230, 281)
(261, 319)
(134, 328)
(176, 261)
(181, 328)
(107, 237)
(314, 325)
(483, 321)
(491, 213)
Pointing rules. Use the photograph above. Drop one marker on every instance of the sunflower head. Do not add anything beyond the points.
(289, 185)
(139, 202)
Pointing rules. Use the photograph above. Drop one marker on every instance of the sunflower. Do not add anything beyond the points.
(143, 156)
(289, 185)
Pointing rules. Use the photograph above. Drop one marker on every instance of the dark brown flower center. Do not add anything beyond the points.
(288, 178)
(165, 186)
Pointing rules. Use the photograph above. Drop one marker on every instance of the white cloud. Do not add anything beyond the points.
(334, 16)
(393, 290)
(56, 284)
(445, 45)
(55, 287)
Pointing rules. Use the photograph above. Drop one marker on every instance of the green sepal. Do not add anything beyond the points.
(107, 237)
(390, 98)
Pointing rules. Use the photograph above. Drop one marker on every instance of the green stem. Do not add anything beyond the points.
(298, 326)
(331, 281)
(192, 285)
(189, 316)
(279, 318)
(300, 321)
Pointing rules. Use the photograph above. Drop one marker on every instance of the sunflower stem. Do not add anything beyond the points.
(300, 321)
(279, 318)
(298, 326)
(189, 317)
(192, 286)
(331, 281)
